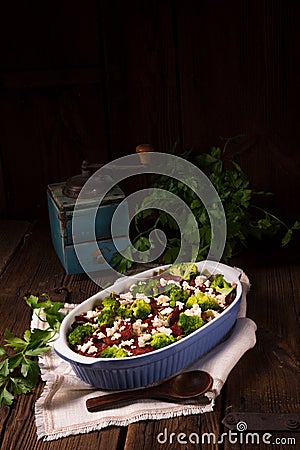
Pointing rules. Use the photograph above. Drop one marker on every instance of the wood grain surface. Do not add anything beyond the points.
(12, 234)
(266, 379)
(92, 81)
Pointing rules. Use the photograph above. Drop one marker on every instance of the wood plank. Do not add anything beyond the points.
(51, 37)
(12, 232)
(272, 386)
(208, 52)
(179, 432)
(58, 127)
(53, 95)
(21, 433)
(141, 74)
(237, 76)
(3, 207)
(51, 77)
(35, 269)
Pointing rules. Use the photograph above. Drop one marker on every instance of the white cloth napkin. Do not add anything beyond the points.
(61, 409)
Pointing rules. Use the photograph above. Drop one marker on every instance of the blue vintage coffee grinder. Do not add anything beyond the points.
(61, 202)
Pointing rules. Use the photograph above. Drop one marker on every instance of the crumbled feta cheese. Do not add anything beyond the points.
(166, 311)
(142, 340)
(163, 282)
(116, 336)
(173, 282)
(186, 286)
(138, 327)
(126, 298)
(138, 322)
(200, 279)
(163, 300)
(158, 322)
(165, 330)
(112, 330)
(91, 314)
(207, 283)
(221, 299)
(141, 296)
(194, 311)
(100, 335)
(210, 292)
(92, 349)
(86, 346)
(127, 343)
(180, 305)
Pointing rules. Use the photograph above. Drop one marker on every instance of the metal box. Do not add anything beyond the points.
(61, 210)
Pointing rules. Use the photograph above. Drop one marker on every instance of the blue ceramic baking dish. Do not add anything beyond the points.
(142, 370)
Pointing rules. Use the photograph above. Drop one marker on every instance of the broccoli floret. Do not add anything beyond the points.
(160, 340)
(204, 301)
(106, 317)
(176, 294)
(140, 309)
(110, 303)
(113, 352)
(79, 333)
(109, 311)
(184, 270)
(189, 323)
(220, 284)
(149, 288)
(125, 312)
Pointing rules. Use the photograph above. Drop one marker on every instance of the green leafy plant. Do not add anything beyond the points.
(19, 371)
(245, 218)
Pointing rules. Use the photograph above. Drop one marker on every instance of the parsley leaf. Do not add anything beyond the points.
(245, 220)
(21, 385)
(14, 342)
(5, 396)
(19, 372)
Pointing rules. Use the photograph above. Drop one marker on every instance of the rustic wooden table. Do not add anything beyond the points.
(266, 379)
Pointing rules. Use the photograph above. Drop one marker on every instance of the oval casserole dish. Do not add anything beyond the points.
(142, 370)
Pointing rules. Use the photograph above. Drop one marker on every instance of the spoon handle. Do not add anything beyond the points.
(101, 402)
(97, 404)
(187, 386)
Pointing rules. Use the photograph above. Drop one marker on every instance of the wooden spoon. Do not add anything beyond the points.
(184, 386)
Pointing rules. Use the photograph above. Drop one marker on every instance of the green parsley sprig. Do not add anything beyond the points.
(19, 371)
(245, 219)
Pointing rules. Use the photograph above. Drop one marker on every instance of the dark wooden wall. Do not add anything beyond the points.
(91, 80)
